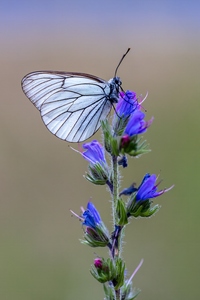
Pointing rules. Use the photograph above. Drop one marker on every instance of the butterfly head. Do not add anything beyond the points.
(117, 81)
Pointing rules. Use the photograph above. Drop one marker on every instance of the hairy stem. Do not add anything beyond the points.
(116, 238)
(115, 186)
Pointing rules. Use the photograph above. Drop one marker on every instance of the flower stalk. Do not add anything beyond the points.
(115, 186)
(121, 139)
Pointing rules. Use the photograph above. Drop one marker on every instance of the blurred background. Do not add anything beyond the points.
(41, 178)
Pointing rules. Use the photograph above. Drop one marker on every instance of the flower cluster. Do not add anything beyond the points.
(121, 139)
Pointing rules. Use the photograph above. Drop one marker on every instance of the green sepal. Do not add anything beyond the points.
(98, 174)
(97, 237)
(107, 132)
(111, 271)
(119, 277)
(140, 208)
(129, 293)
(120, 124)
(135, 147)
(114, 142)
(121, 213)
(94, 244)
(94, 181)
(109, 291)
(111, 142)
(151, 211)
(104, 274)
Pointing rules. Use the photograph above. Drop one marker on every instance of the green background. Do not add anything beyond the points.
(41, 178)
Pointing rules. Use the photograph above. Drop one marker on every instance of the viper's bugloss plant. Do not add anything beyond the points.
(121, 139)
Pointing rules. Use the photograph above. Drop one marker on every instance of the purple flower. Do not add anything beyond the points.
(91, 216)
(127, 103)
(137, 124)
(96, 234)
(94, 152)
(148, 188)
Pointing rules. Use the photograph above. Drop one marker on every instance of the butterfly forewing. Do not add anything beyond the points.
(72, 105)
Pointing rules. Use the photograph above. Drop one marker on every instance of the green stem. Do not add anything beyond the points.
(115, 196)
(115, 187)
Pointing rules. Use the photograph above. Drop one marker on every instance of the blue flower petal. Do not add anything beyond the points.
(148, 188)
(91, 216)
(94, 152)
(127, 103)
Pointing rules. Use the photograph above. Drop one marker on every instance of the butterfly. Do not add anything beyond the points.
(72, 105)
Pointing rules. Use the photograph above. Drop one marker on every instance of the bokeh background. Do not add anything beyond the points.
(41, 178)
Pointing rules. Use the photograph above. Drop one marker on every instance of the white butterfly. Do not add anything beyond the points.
(71, 104)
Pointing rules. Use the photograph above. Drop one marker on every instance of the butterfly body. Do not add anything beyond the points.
(72, 105)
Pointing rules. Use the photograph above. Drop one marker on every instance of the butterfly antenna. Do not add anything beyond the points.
(121, 61)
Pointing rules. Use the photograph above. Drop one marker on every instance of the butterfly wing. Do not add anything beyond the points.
(71, 105)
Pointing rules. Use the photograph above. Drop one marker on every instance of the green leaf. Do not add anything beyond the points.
(121, 213)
